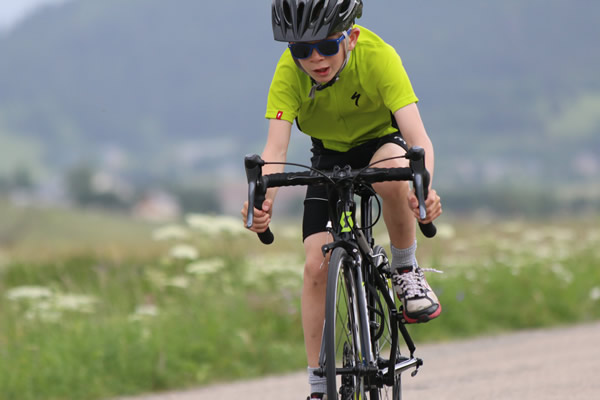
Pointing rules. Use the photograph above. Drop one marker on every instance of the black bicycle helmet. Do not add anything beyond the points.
(308, 20)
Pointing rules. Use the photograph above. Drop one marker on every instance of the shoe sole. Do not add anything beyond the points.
(422, 318)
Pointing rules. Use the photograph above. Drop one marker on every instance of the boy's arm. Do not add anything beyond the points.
(276, 148)
(413, 131)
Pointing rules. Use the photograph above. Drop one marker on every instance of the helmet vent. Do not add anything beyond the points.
(300, 17)
(275, 15)
(344, 6)
(287, 13)
(316, 11)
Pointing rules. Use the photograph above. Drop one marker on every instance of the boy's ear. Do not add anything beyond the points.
(353, 38)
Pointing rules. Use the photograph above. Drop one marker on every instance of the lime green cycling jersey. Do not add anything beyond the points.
(353, 110)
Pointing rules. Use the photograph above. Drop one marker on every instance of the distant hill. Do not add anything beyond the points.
(177, 88)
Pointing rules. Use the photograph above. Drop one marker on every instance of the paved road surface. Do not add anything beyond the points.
(561, 363)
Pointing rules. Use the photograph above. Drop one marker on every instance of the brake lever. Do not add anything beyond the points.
(420, 192)
(256, 193)
(253, 166)
(421, 178)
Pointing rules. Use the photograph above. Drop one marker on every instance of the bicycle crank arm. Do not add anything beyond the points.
(359, 370)
(402, 366)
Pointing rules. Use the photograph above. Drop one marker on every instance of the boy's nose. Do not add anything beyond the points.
(315, 55)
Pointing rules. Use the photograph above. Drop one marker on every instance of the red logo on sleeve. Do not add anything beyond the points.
(279, 115)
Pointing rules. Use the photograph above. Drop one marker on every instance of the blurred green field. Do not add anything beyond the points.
(94, 305)
(41, 234)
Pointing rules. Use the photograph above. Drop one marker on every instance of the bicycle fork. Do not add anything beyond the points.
(368, 358)
(364, 362)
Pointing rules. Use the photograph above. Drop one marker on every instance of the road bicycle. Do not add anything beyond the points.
(360, 350)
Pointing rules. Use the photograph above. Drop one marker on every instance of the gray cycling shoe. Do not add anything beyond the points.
(419, 301)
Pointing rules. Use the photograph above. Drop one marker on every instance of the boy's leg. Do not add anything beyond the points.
(313, 304)
(397, 215)
(420, 302)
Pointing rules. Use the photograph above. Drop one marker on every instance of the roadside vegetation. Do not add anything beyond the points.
(127, 307)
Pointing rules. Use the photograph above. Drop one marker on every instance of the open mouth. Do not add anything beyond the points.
(322, 71)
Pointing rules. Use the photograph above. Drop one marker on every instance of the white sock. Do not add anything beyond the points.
(317, 384)
(402, 258)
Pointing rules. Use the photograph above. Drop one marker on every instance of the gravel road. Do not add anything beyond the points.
(561, 363)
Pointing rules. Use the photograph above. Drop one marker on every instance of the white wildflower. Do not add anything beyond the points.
(43, 310)
(214, 224)
(244, 336)
(170, 232)
(285, 263)
(180, 282)
(561, 272)
(28, 293)
(42, 313)
(209, 266)
(288, 269)
(446, 231)
(74, 302)
(184, 252)
(595, 293)
(144, 311)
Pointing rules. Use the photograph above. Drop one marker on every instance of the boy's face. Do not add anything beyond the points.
(323, 68)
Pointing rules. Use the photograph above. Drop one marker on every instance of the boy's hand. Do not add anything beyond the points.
(433, 206)
(262, 217)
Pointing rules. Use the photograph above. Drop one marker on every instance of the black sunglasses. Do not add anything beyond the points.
(326, 48)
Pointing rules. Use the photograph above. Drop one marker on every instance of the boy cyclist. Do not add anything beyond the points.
(348, 90)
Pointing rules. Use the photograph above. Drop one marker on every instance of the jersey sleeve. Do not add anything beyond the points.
(394, 85)
(284, 101)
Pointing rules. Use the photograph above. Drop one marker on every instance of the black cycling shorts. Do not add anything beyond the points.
(316, 214)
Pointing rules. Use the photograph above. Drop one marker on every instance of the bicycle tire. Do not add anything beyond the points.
(382, 338)
(341, 333)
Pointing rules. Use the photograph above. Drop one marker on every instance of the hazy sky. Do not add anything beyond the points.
(13, 11)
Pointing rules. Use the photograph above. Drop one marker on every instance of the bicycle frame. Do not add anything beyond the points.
(358, 242)
(367, 276)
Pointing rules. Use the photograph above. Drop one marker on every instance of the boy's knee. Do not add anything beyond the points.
(392, 191)
(315, 269)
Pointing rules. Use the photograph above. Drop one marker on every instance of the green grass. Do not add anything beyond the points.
(514, 275)
(195, 329)
(226, 307)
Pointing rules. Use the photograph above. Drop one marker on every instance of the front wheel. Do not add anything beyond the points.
(341, 335)
(381, 302)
